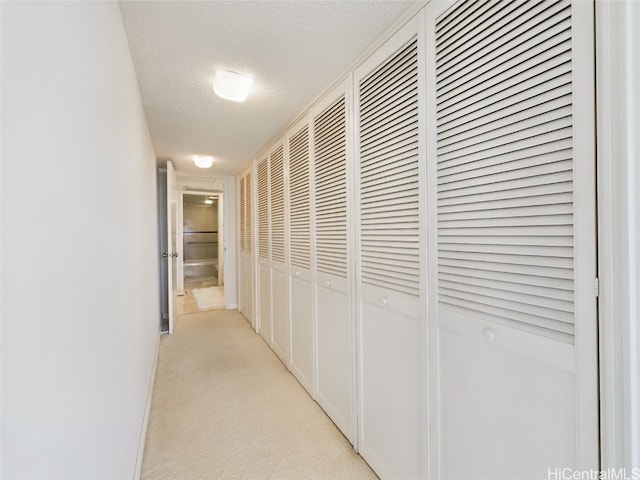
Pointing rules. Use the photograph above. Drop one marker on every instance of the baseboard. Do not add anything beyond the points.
(231, 306)
(305, 382)
(147, 411)
(343, 424)
(375, 463)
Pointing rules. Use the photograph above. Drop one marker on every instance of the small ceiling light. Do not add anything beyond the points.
(231, 85)
(208, 202)
(203, 161)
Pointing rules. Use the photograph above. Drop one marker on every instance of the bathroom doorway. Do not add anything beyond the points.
(203, 254)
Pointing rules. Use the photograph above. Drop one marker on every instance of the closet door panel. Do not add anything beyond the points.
(507, 402)
(264, 272)
(513, 304)
(242, 250)
(334, 317)
(280, 311)
(334, 389)
(245, 260)
(390, 395)
(279, 277)
(392, 375)
(249, 239)
(246, 286)
(264, 252)
(300, 248)
(302, 364)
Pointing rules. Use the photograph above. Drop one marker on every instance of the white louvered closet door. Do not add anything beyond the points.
(276, 173)
(300, 195)
(248, 214)
(390, 153)
(264, 251)
(300, 226)
(279, 280)
(513, 179)
(242, 291)
(245, 281)
(243, 218)
(250, 276)
(334, 344)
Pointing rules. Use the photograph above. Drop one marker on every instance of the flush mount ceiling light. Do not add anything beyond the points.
(203, 161)
(231, 85)
(208, 202)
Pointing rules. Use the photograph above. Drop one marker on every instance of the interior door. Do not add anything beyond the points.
(279, 281)
(246, 249)
(334, 333)
(171, 254)
(300, 238)
(513, 311)
(264, 252)
(389, 159)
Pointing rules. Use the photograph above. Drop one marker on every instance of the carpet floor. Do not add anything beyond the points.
(225, 407)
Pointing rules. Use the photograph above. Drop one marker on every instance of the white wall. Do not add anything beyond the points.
(618, 76)
(80, 309)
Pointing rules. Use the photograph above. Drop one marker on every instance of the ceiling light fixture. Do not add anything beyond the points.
(231, 85)
(208, 202)
(203, 161)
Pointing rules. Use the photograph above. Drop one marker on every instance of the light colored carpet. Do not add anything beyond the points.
(224, 407)
(209, 298)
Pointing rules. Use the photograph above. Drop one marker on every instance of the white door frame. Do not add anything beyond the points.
(172, 241)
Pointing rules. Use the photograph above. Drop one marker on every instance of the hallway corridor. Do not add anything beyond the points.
(224, 407)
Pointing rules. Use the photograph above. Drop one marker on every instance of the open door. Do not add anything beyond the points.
(171, 254)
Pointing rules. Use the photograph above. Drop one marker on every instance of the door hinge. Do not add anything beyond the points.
(596, 287)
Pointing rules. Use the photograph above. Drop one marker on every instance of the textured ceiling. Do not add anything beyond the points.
(292, 49)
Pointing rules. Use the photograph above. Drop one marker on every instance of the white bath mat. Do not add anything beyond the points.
(209, 298)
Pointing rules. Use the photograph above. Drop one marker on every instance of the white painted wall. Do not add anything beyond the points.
(80, 309)
(618, 76)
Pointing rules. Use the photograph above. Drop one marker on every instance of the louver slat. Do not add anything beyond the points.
(329, 137)
(389, 208)
(505, 118)
(505, 164)
(300, 234)
(501, 59)
(276, 172)
(263, 209)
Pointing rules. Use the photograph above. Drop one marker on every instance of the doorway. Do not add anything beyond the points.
(202, 251)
